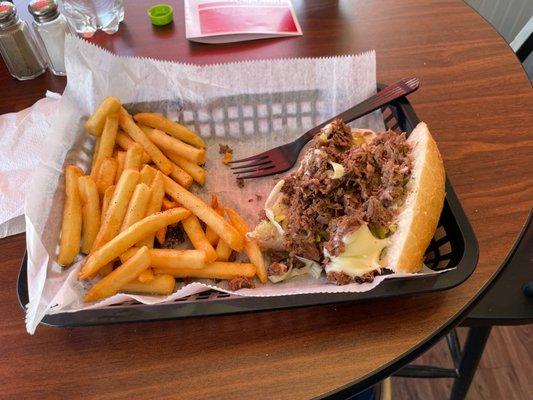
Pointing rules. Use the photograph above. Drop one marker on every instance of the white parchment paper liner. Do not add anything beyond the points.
(251, 106)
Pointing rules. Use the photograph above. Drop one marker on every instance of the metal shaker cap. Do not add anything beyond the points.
(8, 14)
(43, 10)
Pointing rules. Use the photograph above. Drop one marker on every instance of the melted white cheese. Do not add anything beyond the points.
(361, 254)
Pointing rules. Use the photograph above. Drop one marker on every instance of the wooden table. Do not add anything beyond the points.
(477, 100)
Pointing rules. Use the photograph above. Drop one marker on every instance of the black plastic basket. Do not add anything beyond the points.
(453, 246)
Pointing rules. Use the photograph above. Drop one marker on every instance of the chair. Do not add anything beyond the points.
(507, 301)
(509, 298)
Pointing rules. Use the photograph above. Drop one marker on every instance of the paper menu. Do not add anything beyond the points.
(217, 21)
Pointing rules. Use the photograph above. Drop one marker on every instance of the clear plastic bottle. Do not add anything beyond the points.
(17, 46)
(51, 28)
(87, 16)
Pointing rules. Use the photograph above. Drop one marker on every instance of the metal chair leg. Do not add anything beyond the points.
(472, 352)
(429, 371)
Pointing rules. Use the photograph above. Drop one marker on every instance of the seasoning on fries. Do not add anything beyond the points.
(115, 212)
(137, 206)
(133, 157)
(127, 238)
(125, 142)
(176, 146)
(196, 235)
(157, 190)
(170, 258)
(105, 176)
(117, 208)
(111, 284)
(90, 211)
(130, 127)
(106, 143)
(69, 245)
(216, 270)
(161, 284)
(180, 132)
(205, 213)
(250, 246)
(95, 123)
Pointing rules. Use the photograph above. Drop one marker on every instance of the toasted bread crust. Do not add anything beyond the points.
(419, 217)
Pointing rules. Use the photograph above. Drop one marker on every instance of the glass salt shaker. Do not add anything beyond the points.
(51, 28)
(17, 46)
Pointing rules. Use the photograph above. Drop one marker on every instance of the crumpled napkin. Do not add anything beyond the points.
(22, 143)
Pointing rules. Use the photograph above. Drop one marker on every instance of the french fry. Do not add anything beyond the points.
(106, 143)
(157, 190)
(133, 157)
(161, 235)
(106, 174)
(211, 236)
(188, 200)
(69, 245)
(121, 160)
(250, 246)
(168, 204)
(106, 269)
(90, 211)
(194, 170)
(194, 231)
(146, 276)
(127, 238)
(108, 194)
(147, 174)
(216, 270)
(176, 146)
(162, 284)
(177, 173)
(95, 123)
(170, 258)
(125, 142)
(111, 284)
(128, 125)
(137, 206)
(117, 208)
(223, 251)
(180, 176)
(180, 132)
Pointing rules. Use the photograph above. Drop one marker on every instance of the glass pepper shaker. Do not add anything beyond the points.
(51, 28)
(18, 49)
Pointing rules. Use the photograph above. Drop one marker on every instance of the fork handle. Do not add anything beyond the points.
(390, 93)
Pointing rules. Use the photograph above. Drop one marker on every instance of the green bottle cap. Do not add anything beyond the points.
(160, 14)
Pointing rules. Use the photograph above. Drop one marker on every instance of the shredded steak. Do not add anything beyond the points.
(277, 268)
(224, 148)
(340, 278)
(241, 282)
(281, 262)
(322, 210)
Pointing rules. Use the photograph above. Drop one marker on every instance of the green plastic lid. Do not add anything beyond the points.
(160, 14)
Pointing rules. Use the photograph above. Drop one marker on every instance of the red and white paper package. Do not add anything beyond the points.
(225, 21)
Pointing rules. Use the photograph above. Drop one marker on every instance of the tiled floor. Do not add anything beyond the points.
(505, 370)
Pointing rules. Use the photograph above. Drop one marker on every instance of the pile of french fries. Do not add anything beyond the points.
(138, 185)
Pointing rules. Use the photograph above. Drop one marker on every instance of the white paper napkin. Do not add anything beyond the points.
(22, 145)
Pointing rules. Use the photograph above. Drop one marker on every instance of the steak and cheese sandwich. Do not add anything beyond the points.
(360, 202)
